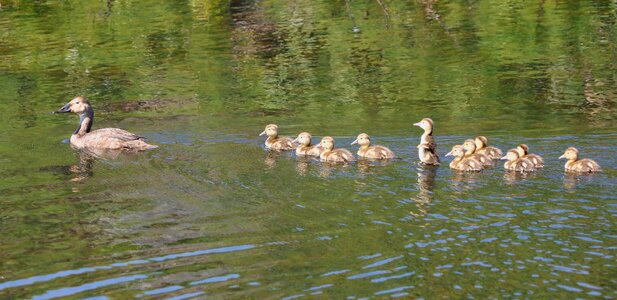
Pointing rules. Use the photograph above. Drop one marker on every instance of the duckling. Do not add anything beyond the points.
(517, 163)
(427, 147)
(461, 162)
(304, 145)
(573, 164)
(274, 141)
(523, 151)
(334, 155)
(372, 152)
(105, 138)
(482, 147)
(469, 146)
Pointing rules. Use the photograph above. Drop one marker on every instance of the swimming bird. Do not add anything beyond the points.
(105, 138)
(469, 146)
(462, 163)
(517, 163)
(573, 164)
(482, 147)
(274, 141)
(523, 151)
(427, 147)
(334, 155)
(371, 152)
(304, 145)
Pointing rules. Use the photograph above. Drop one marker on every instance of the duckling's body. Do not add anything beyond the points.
(276, 142)
(469, 146)
(574, 164)
(371, 152)
(523, 152)
(427, 149)
(462, 163)
(516, 163)
(105, 138)
(304, 145)
(482, 147)
(334, 155)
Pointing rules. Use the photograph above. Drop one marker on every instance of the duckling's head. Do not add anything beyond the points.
(78, 105)
(426, 124)
(327, 143)
(469, 145)
(304, 138)
(570, 154)
(511, 155)
(363, 140)
(271, 130)
(481, 141)
(522, 149)
(457, 151)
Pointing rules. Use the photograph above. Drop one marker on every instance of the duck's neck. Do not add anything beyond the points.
(86, 119)
(272, 137)
(427, 133)
(364, 147)
(469, 152)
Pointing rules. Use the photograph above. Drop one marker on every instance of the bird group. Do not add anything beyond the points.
(473, 155)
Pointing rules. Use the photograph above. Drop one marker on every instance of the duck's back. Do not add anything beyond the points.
(308, 150)
(537, 160)
(376, 152)
(338, 155)
(585, 166)
(110, 138)
(491, 152)
(469, 164)
(280, 143)
(523, 164)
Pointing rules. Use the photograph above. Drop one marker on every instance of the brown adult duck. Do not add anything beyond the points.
(574, 164)
(304, 145)
(469, 146)
(105, 138)
(517, 163)
(482, 147)
(523, 152)
(334, 155)
(274, 141)
(462, 163)
(427, 148)
(371, 152)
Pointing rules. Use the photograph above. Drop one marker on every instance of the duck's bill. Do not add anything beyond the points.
(504, 158)
(318, 146)
(354, 142)
(449, 154)
(262, 133)
(294, 141)
(563, 156)
(417, 124)
(65, 109)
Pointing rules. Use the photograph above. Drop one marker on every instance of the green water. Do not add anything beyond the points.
(212, 214)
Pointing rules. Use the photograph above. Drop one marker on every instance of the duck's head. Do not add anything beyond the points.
(426, 124)
(271, 130)
(570, 154)
(78, 105)
(469, 146)
(327, 143)
(457, 151)
(481, 141)
(511, 155)
(304, 138)
(522, 149)
(363, 140)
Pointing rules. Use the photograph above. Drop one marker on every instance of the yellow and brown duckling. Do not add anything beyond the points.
(482, 147)
(462, 163)
(523, 152)
(334, 155)
(427, 148)
(304, 145)
(469, 146)
(105, 138)
(274, 141)
(371, 152)
(574, 164)
(517, 163)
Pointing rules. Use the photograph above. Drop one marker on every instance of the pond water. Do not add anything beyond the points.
(212, 214)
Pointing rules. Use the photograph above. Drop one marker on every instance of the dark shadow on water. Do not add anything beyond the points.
(425, 184)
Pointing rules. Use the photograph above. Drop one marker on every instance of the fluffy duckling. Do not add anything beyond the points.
(523, 151)
(372, 152)
(105, 138)
(573, 164)
(304, 145)
(427, 147)
(274, 141)
(333, 155)
(462, 163)
(517, 163)
(469, 146)
(482, 147)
